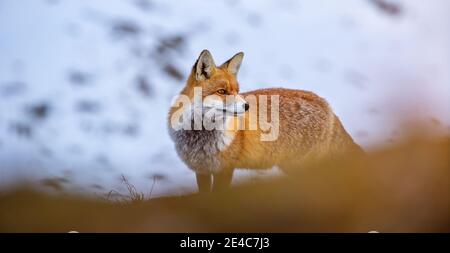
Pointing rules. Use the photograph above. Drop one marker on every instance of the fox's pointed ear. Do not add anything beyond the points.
(234, 64)
(204, 66)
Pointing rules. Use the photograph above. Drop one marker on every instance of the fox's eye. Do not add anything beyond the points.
(222, 91)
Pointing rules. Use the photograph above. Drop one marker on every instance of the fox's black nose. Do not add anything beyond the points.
(246, 106)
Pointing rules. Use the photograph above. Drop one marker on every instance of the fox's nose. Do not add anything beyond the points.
(246, 106)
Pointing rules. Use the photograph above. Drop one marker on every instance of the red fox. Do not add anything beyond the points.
(302, 125)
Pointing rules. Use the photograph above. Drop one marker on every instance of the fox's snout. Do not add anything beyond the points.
(231, 104)
(239, 105)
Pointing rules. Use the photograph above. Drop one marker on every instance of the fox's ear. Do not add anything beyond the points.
(204, 66)
(234, 64)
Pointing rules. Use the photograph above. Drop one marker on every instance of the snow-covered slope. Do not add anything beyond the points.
(85, 86)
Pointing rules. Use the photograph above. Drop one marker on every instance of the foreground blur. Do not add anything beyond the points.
(398, 189)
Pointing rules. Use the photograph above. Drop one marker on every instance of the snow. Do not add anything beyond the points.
(82, 61)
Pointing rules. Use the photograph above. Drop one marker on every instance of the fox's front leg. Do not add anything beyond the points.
(223, 180)
(204, 182)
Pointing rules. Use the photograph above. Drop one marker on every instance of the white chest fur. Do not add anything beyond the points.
(200, 149)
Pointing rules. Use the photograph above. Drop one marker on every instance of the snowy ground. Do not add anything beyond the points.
(85, 86)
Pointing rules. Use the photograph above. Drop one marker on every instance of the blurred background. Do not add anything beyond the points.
(85, 86)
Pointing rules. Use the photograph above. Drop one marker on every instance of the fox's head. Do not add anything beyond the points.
(218, 84)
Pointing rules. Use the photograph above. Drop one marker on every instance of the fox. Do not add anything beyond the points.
(307, 126)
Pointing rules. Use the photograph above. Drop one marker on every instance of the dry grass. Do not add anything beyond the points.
(134, 196)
